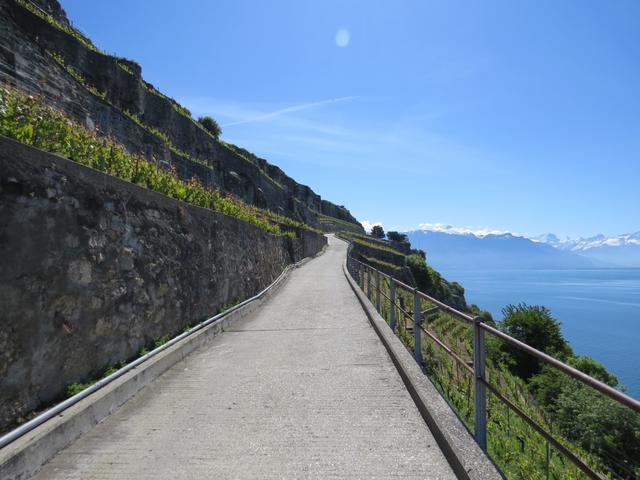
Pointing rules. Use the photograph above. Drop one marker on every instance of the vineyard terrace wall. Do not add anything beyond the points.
(26, 44)
(93, 268)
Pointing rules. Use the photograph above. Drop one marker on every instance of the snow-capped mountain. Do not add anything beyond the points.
(451, 247)
(622, 250)
(447, 249)
(589, 242)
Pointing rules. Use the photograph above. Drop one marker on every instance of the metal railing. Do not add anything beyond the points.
(399, 314)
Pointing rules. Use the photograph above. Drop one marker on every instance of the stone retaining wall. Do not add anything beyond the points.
(92, 268)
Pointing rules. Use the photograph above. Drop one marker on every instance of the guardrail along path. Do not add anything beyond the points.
(301, 388)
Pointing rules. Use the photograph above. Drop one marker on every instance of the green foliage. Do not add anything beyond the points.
(600, 425)
(431, 282)
(29, 121)
(594, 369)
(379, 264)
(75, 388)
(420, 273)
(591, 420)
(377, 231)
(161, 341)
(211, 126)
(397, 237)
(484, 314)
(287, 222)
(421, 253)
(534, 326)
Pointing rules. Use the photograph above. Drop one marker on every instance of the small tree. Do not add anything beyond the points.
(534, 326)
(397, 237)
(210, 125)
(377, 231)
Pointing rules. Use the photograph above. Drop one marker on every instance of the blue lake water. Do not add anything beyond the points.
(599, 309)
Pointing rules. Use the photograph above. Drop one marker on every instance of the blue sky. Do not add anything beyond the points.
(520, 116)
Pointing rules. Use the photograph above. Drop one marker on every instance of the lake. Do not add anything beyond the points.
(599, 308)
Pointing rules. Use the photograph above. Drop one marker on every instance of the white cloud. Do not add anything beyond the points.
(477, 231)
(369, 225)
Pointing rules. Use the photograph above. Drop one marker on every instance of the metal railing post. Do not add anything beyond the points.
(417, 337)
(369, 283)
(378, 291)
(392, 304)
(479, 359)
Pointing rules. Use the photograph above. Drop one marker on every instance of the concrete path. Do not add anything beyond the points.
(302, 388)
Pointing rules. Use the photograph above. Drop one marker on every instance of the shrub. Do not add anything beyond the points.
(397, 237)
(377, 231)
(534, 326)
(211, 126)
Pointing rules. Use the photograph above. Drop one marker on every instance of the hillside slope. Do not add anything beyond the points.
(40, 52)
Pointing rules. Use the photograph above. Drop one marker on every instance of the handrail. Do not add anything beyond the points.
(569, 370)
(478, 366)
(607, 390)
(468, 318)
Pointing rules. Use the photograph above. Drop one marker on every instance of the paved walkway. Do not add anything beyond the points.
(302, 388)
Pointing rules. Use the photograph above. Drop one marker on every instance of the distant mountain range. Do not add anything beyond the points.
(622, 250)
(466, 250)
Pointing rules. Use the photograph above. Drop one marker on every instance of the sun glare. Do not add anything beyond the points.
(342, 37)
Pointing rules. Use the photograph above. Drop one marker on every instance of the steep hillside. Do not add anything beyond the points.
(40, 52)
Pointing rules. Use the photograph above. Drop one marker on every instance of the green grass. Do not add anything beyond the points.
(28, 120)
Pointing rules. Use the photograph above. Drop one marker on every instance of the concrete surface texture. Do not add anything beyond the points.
(302, 388)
